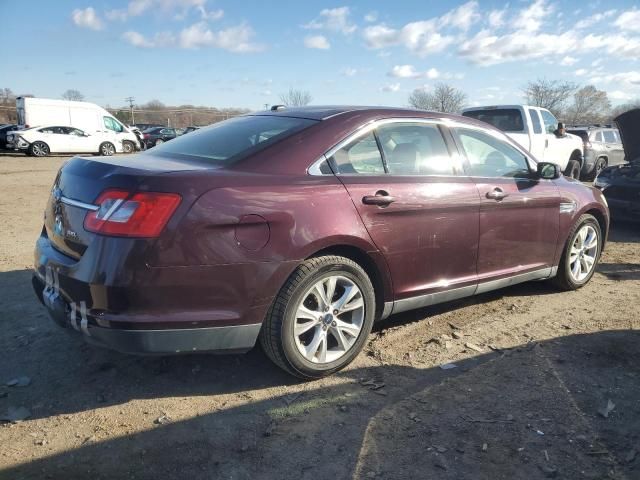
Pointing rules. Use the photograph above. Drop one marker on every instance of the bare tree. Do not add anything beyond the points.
(296, 98)
(590, 105)
(73, 94)
(444, 98)
(625, 107)
(550, 94)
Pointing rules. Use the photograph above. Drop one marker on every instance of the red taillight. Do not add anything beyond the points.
(126, 214)
(145, 135)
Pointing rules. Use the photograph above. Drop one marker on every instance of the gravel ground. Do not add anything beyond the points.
(545, 385)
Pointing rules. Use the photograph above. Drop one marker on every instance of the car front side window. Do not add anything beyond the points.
(359, 157)
(550, 122)
(489, 156)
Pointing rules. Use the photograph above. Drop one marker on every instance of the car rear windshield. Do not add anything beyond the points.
(505, 119)
(583, 134)
(231, 140)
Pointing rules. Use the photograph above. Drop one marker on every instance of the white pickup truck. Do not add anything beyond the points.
(536, 129)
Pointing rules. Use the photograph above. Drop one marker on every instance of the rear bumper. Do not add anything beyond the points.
(113, 302)
(74, 317)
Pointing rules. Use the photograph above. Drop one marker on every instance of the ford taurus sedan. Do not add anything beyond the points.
(299, 228)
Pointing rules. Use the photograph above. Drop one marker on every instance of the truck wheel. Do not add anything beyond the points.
(321, 318)
(128, 147)
(38, 149)
(573, 169)
(107, 149)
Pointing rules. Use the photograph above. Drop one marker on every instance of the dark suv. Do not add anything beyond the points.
(300, 227)
(602, 147)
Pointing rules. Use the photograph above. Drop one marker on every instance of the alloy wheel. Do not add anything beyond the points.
(40, 149)
(329, 319)
(584, 251)
(108, 149)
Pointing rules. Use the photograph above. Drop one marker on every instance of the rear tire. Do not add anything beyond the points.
(573, 169)
(576, 254)
(292, 327)
(107, 149)
(38, 149)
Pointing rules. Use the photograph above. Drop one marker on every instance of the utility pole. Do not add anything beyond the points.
(130, 100)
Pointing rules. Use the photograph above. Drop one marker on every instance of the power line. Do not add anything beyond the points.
(130, 100)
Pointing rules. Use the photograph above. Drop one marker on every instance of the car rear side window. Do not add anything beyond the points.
(489, 156)
(535, 120)
(609, 136)
(599, 137)
(359, 157)
(505, 119)
(229, 141)
(414, 149)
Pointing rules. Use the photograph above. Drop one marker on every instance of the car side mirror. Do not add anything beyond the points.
(548, 171)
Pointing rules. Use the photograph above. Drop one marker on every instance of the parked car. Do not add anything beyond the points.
(621, 183)
(145, 126)
(4, 130)
(41, 141)
(602, 147)
(189, 129)
(538, 131)
(300, 228)
(158, 135)
(85, 116)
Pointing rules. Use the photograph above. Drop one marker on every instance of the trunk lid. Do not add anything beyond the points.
(80, 181)
(629, 127)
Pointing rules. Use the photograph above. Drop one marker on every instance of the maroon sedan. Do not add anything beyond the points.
(300, 228)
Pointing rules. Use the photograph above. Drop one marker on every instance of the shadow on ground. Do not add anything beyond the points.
(526, 413)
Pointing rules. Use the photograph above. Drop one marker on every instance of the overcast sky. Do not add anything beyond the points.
(227, 53)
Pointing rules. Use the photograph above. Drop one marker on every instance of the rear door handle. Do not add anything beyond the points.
(497, 194)
(381, 199)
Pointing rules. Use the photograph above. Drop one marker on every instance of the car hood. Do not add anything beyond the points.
(629, 127)
(622, 174)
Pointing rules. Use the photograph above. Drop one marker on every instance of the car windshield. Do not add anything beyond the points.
(505, 119)
(228, 141)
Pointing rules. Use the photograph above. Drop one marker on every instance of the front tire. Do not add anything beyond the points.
(38, 149)
(573, 169)
(128, 147)
(581, 254)
(321, 318)
(159, 141)
(107, 149)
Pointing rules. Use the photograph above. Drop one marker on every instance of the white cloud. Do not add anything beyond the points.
(210, 15)
(581, 72)
(461, 17)
(371, 17)
(496, 18)
(594, 19)
(160, 39)
(319, 42)
(394, 87)
(404, 71)
(630, 79)
(620, 95)
(350, 72)
(86, 18)
(333, 19)
(236, 39)
(432, 73)
(135, 8)
(420, 37)
(530, 19)
(629, 20)
(568, 60)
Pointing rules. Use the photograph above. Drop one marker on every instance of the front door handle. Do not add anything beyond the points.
(381, 199)
(497, 194)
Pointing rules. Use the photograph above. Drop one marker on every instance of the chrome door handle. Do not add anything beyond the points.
(497, 194)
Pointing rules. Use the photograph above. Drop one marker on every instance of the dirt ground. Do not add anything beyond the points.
(545, 385)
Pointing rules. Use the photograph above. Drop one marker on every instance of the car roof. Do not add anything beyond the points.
(324, 112)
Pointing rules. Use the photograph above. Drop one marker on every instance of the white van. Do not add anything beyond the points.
(536, 129)
(88, 117)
